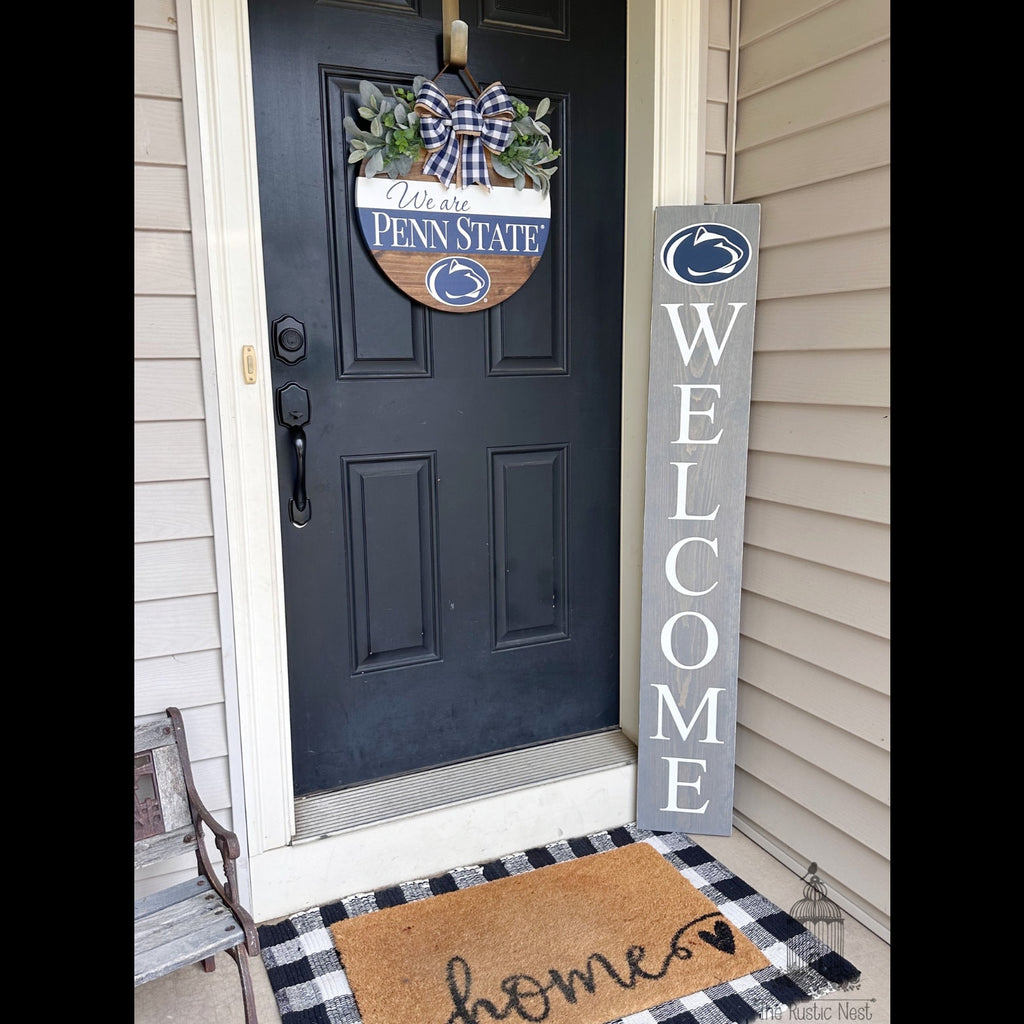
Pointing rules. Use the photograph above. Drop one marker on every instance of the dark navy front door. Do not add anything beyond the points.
(449, 482)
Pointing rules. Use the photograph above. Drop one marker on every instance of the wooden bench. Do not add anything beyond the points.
(192, 921)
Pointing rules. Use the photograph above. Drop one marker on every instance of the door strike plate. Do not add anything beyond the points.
(249, 364)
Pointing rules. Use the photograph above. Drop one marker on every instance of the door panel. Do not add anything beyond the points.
(455, 590)
(529, 545)
(392, 532)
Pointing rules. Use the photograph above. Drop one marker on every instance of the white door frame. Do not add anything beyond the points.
(666, 72)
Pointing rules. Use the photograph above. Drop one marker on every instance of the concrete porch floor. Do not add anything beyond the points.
(190, 996)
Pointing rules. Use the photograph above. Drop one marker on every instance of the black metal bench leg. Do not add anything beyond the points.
(248, 995)
(210, 964)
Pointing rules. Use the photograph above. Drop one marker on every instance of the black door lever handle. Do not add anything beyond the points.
(300, 508)
(293, 413)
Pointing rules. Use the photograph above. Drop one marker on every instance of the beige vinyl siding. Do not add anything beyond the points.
(716, 119)
(812, 148)
(177, 632)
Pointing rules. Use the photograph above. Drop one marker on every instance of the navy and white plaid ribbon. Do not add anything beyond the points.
(473, 124)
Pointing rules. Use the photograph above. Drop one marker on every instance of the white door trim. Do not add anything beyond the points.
(665, 165)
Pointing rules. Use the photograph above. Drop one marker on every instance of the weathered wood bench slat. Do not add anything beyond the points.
(154, 902)
(179, 934)
(152, 734)
(205, 915)
(159, 848)
(183, 917)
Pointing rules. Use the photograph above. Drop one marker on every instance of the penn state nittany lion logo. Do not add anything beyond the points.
(457, 281)
(705, 254)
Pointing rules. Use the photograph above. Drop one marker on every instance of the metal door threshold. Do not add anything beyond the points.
(324, 814)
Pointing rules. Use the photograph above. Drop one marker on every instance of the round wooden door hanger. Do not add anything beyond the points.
(441, 195)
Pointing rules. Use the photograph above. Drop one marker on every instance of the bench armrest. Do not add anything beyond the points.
(225, 839)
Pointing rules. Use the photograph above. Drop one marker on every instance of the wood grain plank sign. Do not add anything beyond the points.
(453, 249)
(702, 335)
(463, 217)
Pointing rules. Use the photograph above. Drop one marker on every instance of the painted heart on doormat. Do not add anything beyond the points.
(442, 197)
(625, 925)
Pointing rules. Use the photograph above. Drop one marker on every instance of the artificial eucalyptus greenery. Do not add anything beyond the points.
(393, 143)
(530, 149)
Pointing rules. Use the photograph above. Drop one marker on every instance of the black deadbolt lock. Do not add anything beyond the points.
(289, 339)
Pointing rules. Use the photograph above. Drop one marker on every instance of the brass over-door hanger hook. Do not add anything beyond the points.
(456, 42)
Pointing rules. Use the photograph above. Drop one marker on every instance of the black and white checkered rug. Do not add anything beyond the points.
(310, 985)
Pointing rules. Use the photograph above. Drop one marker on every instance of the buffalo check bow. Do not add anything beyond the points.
(447, 132)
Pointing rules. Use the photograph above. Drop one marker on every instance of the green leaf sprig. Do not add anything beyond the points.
(393, 143)
(530, 153)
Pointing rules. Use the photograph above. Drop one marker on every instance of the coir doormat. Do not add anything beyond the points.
(581, 942)
(620, 926)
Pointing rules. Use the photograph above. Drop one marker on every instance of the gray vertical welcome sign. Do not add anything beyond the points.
(698, 414)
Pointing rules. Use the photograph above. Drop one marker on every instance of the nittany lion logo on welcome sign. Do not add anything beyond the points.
(457, 281)
(706, 254)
